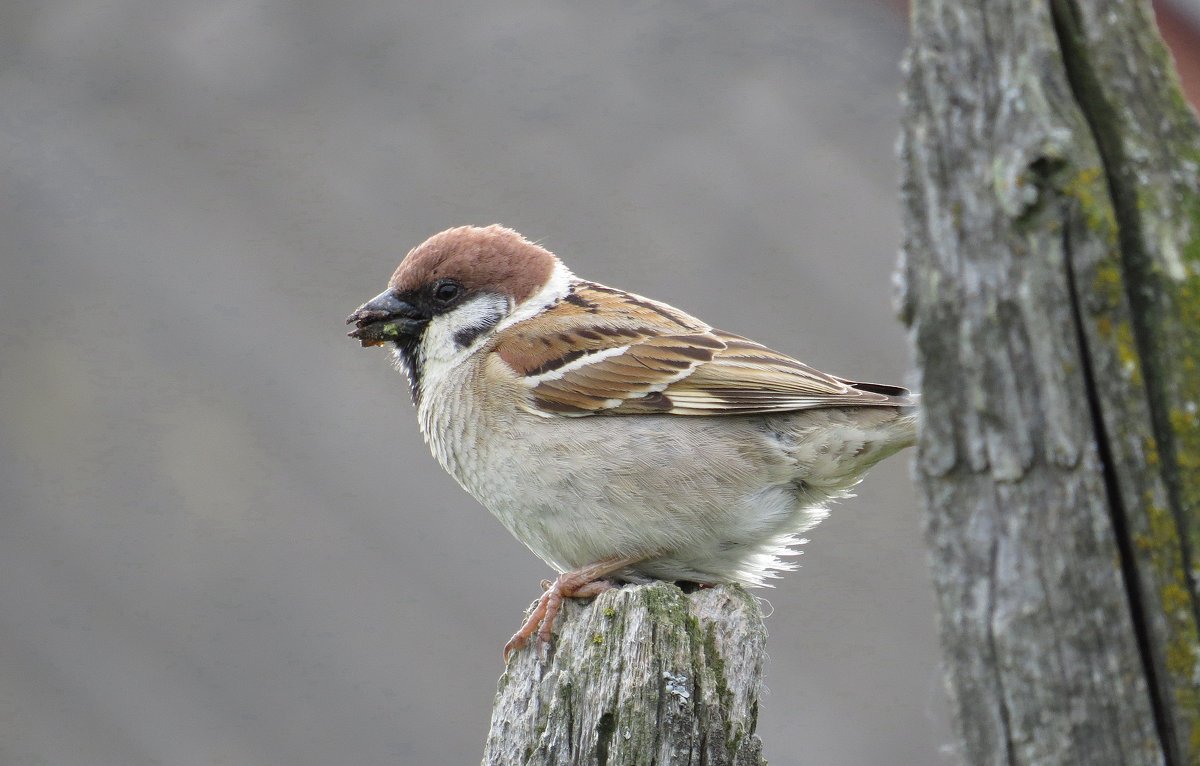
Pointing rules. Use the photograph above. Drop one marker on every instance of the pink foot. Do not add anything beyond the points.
(580, 583)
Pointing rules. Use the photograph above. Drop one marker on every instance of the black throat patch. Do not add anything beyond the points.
(410, 359)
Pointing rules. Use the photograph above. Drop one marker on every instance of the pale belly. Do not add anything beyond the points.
(701, 498)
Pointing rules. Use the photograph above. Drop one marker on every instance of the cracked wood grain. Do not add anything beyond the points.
(640, 675)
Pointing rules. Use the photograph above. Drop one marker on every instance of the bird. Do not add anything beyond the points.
(620, 439)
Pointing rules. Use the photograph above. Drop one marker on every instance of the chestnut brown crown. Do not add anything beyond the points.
(491, 258)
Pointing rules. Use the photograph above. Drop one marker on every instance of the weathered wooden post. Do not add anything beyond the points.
(641, 675)
(1052, 285)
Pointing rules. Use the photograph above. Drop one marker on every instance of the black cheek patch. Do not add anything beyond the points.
(467, 335)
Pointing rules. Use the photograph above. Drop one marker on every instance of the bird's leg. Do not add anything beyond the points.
(584, 582)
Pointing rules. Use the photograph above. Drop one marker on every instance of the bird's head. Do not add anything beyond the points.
(453, 291)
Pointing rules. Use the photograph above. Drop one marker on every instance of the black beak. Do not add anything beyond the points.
(385, 317)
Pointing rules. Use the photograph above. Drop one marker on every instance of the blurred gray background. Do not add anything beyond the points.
(222, 540)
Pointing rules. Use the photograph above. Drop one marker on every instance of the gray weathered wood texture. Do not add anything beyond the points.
(641, 675)
(1051, 276)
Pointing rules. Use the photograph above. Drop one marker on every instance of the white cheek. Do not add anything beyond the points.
(553, 291)
(474, 320)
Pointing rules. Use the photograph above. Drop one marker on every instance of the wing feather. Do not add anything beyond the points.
(604, 351)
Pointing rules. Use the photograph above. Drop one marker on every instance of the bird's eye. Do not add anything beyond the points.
(445, 292)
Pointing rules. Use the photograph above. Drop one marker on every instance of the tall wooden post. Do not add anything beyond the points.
(1052, 286)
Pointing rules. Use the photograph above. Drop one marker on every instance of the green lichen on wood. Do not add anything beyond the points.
(712, 655)
(1161, 362)
(1185, 414)
(1088, 187)
(1160, 540)
(1184, 419)
(665, 603)
(1112, 323)
(1170, 533)
(1158, 544)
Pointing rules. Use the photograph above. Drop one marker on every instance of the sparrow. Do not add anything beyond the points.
(619, 438)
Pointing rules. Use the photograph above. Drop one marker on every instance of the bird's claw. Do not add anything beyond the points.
(541, 618)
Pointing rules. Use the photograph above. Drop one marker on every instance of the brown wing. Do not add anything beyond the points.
(604, 351)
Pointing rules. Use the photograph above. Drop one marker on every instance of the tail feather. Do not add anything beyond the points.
(898, 392)
(900, 395)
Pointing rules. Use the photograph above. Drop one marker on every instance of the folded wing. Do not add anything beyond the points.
(602, 351)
